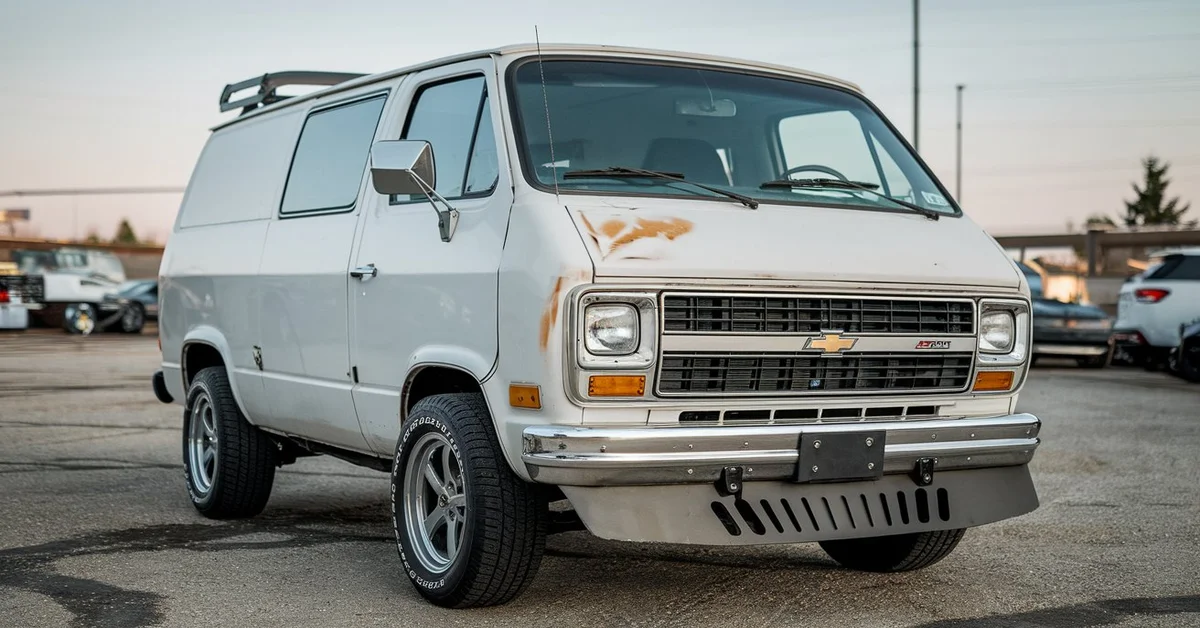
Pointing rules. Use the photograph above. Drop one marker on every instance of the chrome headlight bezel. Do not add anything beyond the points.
(645, 306)
(1018, 352)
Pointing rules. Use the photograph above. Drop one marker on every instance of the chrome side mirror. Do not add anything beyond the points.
(407, 167)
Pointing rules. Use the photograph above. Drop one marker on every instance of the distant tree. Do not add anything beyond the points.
(1150, 206)
(93, 237)
(1099, 220)
(125, 234)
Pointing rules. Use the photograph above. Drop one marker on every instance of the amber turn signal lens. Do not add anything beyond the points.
(987, 381)
(525, 396)
(616, 385)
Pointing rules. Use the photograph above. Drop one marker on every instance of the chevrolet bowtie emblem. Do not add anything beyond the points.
(831, 343)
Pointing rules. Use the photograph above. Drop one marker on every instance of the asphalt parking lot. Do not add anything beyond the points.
(96, 528)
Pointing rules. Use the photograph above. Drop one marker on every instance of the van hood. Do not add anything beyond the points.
(702, 240)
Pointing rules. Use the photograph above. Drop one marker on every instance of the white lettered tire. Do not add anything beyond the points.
(470, 532)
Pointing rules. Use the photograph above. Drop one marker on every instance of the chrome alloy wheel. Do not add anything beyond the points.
(202, 444)
(435, 502)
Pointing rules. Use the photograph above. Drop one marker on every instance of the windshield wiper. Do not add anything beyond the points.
(850, 185)
(621, 172)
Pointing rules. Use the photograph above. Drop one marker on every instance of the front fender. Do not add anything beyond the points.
(462, 358)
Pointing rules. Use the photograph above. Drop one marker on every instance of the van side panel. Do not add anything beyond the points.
(209, 272)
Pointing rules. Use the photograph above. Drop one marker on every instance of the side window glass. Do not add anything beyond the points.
(484, 169)
(448, 116)
(331, 157)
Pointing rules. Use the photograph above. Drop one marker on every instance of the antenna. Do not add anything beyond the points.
(546, 107)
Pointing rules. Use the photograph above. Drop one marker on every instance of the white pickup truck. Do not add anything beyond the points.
(703, 300)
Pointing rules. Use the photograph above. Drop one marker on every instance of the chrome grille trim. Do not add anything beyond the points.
(727, 374)
(773, 314)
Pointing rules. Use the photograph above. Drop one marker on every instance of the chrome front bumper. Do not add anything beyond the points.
(598, 456)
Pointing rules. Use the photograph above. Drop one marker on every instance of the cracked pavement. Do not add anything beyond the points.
(96, 528)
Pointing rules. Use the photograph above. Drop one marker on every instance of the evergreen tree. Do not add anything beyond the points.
(1151, 206)
(125, 234)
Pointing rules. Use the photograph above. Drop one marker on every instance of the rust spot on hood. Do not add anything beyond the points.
(590, 229)
(618, 234)
(550, 315)
(612, 228)
(669, 228)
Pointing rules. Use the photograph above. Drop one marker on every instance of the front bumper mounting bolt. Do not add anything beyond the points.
(814, 468)
(816, 444)
(870, 466)
(870, 442)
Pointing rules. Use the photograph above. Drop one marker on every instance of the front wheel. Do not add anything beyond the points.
(133, 319)
(902, 552)
(469, 531)
(1189, 362)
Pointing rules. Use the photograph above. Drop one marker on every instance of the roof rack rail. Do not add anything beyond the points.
(268, 83)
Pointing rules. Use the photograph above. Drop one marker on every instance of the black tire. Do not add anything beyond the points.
(505, 518)
(902, 552)
(239, 484)
(1189, 363)
(133, 319)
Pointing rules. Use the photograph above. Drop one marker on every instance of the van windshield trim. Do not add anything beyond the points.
(952, 210)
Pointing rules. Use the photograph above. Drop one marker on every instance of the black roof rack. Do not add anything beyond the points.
(268, 83)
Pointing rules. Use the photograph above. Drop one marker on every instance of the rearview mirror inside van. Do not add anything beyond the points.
(402, 167)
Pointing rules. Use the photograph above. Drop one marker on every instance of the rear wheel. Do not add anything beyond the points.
(469, 531)
(229, 465)
(902, 552)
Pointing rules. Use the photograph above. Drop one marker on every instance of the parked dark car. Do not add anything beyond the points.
(1068, 330)
(1184, 360)
(129, 307)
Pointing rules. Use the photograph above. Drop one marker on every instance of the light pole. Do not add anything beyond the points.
(958, 144)
(916, 74)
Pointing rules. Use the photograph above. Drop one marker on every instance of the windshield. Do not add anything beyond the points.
(739, 132)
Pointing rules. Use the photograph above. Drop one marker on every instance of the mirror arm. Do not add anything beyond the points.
(448, 218)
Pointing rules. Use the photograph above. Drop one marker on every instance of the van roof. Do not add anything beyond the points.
(546, 49)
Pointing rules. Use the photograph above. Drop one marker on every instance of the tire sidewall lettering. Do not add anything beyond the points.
(414, 427)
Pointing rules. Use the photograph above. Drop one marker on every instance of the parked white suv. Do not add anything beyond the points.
(705, 300)
(1155, 303)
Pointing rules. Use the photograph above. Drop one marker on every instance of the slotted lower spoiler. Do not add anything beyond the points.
(268, 83)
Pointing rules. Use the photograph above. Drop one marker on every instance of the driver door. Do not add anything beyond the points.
(425, 301)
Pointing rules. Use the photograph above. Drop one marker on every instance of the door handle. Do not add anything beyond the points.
(362, 272)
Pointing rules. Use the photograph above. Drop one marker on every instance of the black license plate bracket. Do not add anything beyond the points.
(841, 456)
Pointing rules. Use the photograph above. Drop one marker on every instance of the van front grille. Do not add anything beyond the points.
(691, 373)
(752, 314)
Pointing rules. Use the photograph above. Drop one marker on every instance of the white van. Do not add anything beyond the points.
(702, 300)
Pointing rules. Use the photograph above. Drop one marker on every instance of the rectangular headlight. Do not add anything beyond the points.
(997, 331)
(1004, 330)
(616, 330)
(610, 329)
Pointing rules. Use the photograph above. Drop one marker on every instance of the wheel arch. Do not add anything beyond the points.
(205, 347)
(436, 378)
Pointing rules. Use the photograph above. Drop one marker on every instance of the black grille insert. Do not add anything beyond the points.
(808, 315)
(789, 373)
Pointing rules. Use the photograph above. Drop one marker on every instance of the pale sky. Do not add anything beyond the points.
(1063, 97)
